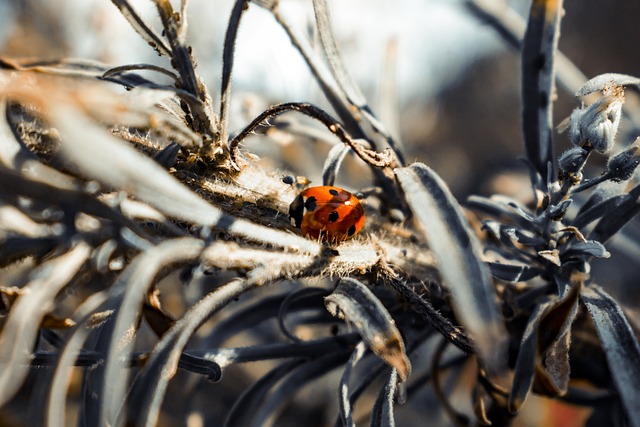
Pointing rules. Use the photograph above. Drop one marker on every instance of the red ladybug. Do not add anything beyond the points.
(331, 213)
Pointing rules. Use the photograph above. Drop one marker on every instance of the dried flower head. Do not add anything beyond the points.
(595, 126)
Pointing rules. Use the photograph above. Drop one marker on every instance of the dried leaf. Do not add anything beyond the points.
(135, 281)
(618, 218)
(458, 254)
(551, 255)
(346, 405)
(154, 40)
(349, 88)
(382, 413)
(538, 81)
(119, 166)
(227, 66)
(545, 340)
(589, 248)
(620, 345)
(587, 214)
(355, 303)
(513, 273)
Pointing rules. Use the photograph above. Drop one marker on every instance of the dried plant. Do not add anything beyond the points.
(147, 257)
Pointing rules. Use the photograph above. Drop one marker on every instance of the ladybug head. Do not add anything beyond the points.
(296, 211)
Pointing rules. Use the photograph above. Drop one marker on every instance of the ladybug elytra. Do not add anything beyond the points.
(327, 212)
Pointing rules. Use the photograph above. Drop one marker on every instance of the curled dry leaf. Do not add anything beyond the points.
(355, 303)
(543, 356)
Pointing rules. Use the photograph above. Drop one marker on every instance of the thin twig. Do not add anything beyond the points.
(440, 323)
(371, 157)
(141, 28)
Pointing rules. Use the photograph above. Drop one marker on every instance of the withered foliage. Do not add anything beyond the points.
(147, 257)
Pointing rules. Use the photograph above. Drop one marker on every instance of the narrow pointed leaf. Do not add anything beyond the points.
(588, 214)
(85, 319)
(496, 207)
(182, 61)
(139, 278)
(513, 273)
(620, 345)
(346, 406)
(523, 237)
(614, 221)
(538, 81)
(548, 324)
(149, 35)
(588, 248)
(458, 255)
(348, 86)
(382, 414)
(329, 45)
(559, 209)
(355, 303)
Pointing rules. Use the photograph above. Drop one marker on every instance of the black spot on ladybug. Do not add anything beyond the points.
(333, 192)
(351, 231)
(333, 216)
(296, 211)
(310, 204)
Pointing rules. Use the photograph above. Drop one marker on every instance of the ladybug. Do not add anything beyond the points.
(327, 212)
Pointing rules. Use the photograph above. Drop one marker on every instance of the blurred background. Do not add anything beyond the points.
(455, 83)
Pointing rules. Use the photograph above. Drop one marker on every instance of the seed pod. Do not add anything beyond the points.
(622, 166)
(572, 160)
(596, 126)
